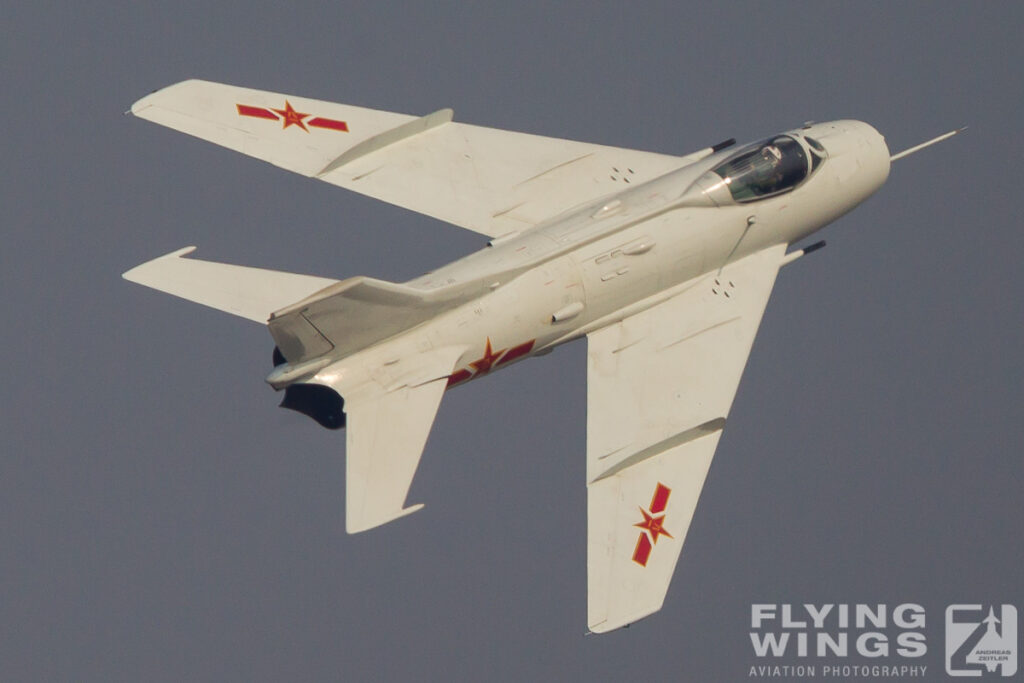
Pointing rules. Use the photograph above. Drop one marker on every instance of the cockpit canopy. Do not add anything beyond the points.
(767, 168)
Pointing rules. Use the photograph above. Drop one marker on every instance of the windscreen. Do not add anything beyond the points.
(765, 169)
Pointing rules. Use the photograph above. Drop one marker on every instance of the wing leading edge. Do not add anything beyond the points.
(659, 387)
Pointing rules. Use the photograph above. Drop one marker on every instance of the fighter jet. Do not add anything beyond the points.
(664, 264)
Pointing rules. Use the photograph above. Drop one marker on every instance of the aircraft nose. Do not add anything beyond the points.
(872, 153)
(858, 154)
(848, 136)
(871, 147)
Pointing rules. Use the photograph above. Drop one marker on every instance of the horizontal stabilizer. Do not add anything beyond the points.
(252, 293)
(386, 431)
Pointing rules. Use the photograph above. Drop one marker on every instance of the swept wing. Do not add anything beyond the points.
(659, 387)
(486, 180)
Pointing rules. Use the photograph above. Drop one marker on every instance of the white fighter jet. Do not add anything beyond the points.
(663, 263)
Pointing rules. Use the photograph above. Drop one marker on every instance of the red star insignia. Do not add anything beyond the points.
(489, 358)
(651, 527)
(652, 524)
(292, 117)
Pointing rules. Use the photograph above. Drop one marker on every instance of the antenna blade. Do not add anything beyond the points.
(918, 148)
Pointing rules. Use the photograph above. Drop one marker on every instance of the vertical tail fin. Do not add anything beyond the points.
(355, 313)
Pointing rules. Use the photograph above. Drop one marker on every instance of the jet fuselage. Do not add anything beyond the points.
(609, 259)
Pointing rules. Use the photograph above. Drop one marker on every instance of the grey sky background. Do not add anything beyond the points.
(162, 519)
